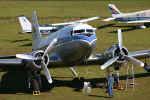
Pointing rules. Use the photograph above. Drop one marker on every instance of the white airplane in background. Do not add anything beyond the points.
(27, 26)
(135, 17)
(47, 28)
(72, 45)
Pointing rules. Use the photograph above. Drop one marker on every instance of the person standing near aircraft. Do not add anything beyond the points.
(110, 85)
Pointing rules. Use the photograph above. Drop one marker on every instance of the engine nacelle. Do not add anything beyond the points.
(115, 51)
(36, 64)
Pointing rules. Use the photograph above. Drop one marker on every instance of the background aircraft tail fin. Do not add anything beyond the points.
(25, 24)
(36, 36)
(114, 9)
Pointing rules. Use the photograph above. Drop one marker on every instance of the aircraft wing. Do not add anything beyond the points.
(10, 60)
(8, 57)
(78, 21)
(140, 54)
(12, 63)
(108, 19)
(97, 59)
(100, 59)
(139, 21)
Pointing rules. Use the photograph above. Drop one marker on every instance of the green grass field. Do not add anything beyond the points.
(53, 11)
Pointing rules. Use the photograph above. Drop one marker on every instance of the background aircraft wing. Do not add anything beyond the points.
(108, 19)
(139, 21)
(78, 21)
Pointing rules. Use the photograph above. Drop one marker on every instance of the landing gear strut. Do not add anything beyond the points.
(34, 81)
(146, 66)
(74, 72)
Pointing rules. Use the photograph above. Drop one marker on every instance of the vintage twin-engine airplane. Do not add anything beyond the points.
(135, 17)
(69, 46)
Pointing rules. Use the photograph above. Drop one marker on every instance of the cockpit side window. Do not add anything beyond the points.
(89, 30)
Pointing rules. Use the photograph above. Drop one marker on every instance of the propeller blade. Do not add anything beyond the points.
(135, 61)
(47, 73)
(109, 62)
(50, 46)
(120, 38)
(25, 56)
(44, 66)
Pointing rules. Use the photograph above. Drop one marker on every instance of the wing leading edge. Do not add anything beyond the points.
(100, 59)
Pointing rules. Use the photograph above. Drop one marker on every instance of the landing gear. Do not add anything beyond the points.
(146, 67)
(74, 72)
(36, 89)
(34, 82)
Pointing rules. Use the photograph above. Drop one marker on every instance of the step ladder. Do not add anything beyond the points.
(130, 76)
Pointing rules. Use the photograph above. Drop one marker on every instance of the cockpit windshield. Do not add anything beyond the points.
(79, 31)
(86, 32)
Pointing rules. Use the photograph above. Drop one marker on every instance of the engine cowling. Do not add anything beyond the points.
(36, 64)
(114, 50)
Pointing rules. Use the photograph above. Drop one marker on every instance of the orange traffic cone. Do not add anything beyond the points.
(120, 87)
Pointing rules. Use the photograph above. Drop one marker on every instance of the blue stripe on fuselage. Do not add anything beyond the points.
(125, 19)
(77, 37)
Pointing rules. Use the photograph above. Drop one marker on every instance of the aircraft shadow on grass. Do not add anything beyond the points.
(105, 26)
(23, 40)
(128, 27)
(26, 45)
(14, 82)
(20, 40)
(124, 28)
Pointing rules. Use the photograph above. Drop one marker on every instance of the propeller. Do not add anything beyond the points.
(50, 46)
(43, 64)
(46, 72)
(135, 61)
(120, 39)
(25, 56)
(109, 62)
(121, 55)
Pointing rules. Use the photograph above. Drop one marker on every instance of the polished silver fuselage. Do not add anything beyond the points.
(70, 49)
